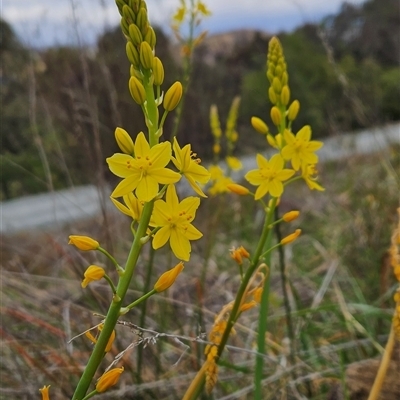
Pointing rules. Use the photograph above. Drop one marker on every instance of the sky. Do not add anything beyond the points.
(42, 23)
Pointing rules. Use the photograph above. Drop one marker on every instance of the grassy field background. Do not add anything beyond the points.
(340, 287)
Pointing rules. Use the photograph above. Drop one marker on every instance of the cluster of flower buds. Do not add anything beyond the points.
(141, 38)
(141, 41)
(279, 92)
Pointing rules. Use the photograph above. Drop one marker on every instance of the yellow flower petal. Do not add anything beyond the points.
(142, 147)
(180, 246)
(161, 237)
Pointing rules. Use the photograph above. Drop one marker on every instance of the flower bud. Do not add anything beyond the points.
(120, 4)
(137, 90)
(270, 202)
(237, 189)
(132, 54)
(150, 37)
(397, 272)
(290, 216)
(276, 115)
(135, 35)
(293, 110)
(276, 84)
(247, 306)
(285, 95)
(216, 148)
(270, 75)
(146, 55)
(257, 294)
(128, 14)
(124, 27)
(93, 273)
(168, 278)
(124, 141)
(285, 78)
(110, 378)
(110, 340)
(214, 122)
(173, 96)
(291, 238)
(158, 71)
(259, 125)
(278, 71)
(84, 243)
(142, 20)
(45, 392)
(244, 252)
(134, 4)
(271, 140)
(272, 95)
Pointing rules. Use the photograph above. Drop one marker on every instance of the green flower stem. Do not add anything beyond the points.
(115, 307)
(112, 259)
(152, 110)
(110, 282)
(288, 311)
(270, 249)
(164, 116)
(198, 382)
(124, 310)
(149, 274)
(264, 306)
(90, 395)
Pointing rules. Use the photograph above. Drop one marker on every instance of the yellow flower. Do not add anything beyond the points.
(180, 14)
(189, 167)
(45, 392)
(144, 172)
(110, 378)
(216, 172)
(133, 207)
(93, 273)
(220, 182)
(299, 149)
(234, 163)
(309, 175)
(168, 278)
(269, 176)
(83, 242)
(202, 8)
(174, 219)
(220, 186)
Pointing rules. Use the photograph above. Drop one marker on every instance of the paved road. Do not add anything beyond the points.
(55, 209)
